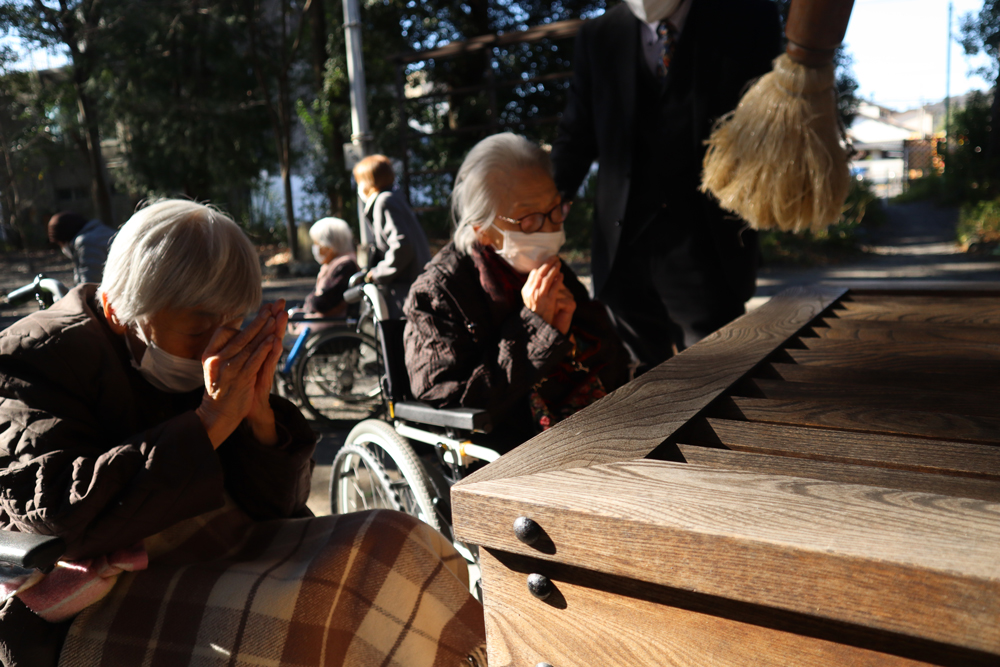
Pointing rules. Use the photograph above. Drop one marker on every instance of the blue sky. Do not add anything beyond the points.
(899, 49)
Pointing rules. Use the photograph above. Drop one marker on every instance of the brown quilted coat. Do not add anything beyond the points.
(92, 452)
(463, 349)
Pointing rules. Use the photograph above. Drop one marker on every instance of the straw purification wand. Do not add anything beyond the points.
(779, 160)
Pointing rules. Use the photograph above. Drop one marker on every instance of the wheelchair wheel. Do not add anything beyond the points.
(338, 377)
(377, 465)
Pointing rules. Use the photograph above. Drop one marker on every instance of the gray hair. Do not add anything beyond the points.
(482, 177)
(180, 254)
(333, 233)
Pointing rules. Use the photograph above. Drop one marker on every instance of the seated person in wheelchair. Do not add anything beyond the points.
(497, 321)
(139, 427)
(334, 249)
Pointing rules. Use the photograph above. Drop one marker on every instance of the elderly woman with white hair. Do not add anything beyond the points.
(138, 426)
(497, 321)
(333, 248)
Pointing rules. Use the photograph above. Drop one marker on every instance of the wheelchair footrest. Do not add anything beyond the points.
(466, 419)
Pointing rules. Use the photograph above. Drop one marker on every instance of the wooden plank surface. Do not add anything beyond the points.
(980, 311)
(861, 417)
(978, 373)
(876, 331)
(612, 622)
(974, 401)
(915, 564)
(850, 375)
(947, 485)
(887, 451)
(916, 350)
(632, 421)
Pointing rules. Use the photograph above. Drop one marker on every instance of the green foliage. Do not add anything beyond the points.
(979, 226)
(928, 188)
(862, 212)
(970, 170)
(179, 85)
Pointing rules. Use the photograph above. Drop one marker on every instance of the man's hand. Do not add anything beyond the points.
(545, 294)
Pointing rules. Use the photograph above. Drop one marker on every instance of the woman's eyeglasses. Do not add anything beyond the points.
(532, 222)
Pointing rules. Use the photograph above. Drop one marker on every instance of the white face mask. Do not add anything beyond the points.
(649, 11)
(525, 252)
(361, 195)
(317, 254)
(165, 371)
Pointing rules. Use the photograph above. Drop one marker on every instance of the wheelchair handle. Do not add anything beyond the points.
(39, 285)
(354, 294)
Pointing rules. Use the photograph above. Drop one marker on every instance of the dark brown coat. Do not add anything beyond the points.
(92, 452)
(463, 349)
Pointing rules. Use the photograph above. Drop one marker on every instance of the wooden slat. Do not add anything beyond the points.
(860, 417)
(973, 402)
(980, 373)
(907, 288)
(850, 375)
(632, 421)
(946, 485)
(964, 312)
(917, 351)
(915, 564)
(639, 625)
(875, 331)
(888, 451)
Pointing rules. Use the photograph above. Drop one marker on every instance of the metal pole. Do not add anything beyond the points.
(361, 136)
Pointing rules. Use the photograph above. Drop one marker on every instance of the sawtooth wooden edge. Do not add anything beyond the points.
(917, 564)
(633, 420)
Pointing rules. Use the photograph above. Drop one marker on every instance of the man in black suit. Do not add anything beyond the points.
(671, 265)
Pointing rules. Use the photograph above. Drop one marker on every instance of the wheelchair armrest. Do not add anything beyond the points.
(30, 551)
(465, 419)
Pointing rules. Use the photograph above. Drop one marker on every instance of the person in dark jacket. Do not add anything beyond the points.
(135, 404)
(650, 77)
(333, 248)
(400, 246)
(85, 242)
(131, 407)
(497, 321)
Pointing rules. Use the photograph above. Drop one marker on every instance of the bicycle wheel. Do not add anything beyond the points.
(338, 377)
(373, 450)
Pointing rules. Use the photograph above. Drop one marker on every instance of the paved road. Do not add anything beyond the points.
(916, 243)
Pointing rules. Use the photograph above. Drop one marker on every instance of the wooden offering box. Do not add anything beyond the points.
(817, 483)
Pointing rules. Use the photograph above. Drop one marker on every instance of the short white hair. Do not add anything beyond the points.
(181, 254)
(482, 177)
(333, 233)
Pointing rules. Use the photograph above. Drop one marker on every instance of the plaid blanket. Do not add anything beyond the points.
(362, 589)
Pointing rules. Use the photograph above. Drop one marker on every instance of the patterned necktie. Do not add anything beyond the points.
(668, 40)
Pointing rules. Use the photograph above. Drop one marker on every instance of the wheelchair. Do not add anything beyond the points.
(408, 459)
(331, 369)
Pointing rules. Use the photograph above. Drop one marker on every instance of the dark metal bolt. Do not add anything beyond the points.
(527, 530)
(540, 586)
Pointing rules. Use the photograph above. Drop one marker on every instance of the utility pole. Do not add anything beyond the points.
(361, 137)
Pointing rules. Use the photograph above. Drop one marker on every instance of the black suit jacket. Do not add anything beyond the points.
(734, 42)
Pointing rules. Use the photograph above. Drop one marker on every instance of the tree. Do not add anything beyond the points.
(78, 26)
(982, 33)
(184, 97)
(275, 35)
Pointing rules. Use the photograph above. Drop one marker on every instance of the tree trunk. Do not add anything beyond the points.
(285, 155)
(98, 181)
(317, 18)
